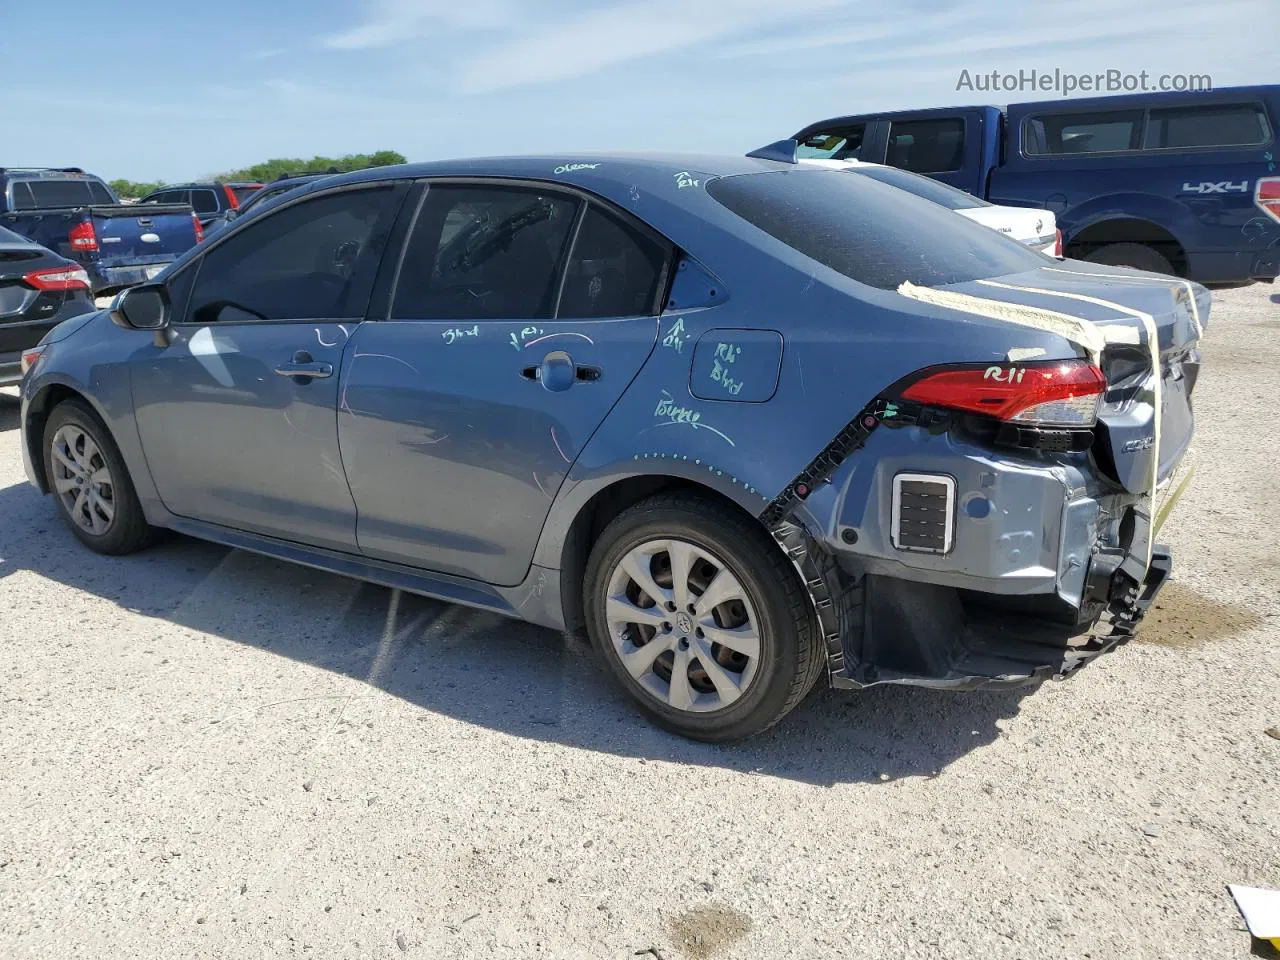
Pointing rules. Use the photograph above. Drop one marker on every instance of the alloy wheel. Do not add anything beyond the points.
(82, 479)
(683, 625)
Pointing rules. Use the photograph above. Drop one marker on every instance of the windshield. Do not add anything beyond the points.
(914, 183)
(868, 231)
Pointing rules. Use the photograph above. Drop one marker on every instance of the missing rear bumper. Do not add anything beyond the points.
(924, 635)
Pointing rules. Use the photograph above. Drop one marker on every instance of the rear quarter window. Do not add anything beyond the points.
(868, 231)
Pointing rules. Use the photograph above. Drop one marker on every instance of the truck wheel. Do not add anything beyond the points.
(90, 483)
(1136, 255)
(701, 618)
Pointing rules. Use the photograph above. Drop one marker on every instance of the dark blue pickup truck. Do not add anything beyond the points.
(1178, 183)
(77, 216)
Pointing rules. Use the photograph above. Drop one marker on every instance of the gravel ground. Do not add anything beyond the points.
(205, 753)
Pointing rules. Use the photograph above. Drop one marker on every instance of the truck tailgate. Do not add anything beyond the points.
(136, 233)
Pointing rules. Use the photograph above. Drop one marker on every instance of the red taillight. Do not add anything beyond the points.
(1062, 393)
(195, 222)
(1057, 244)
(58, 278)
(232, 199)
(83, 237)
(1267, 196)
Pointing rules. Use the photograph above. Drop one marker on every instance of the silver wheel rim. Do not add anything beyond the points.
(82, 480)
(683, 626)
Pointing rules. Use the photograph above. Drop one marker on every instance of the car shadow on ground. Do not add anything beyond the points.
(481, 668)
(10, 408)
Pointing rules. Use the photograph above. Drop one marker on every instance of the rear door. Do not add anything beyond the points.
(237, 414)
(519, 316)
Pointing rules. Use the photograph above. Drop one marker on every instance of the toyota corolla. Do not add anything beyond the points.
(748, 424)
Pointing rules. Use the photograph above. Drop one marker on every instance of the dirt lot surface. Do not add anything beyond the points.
(208, 754)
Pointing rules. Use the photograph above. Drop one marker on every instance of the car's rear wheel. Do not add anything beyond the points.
(701, 618)
(1136, 255)
(90, 483)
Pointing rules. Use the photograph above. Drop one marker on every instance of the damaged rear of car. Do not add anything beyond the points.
(990, 516)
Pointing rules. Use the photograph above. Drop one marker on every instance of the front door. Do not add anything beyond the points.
(237, 414)
(508, 343)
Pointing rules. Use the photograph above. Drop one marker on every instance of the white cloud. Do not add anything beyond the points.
(582, 45)
(390, 22)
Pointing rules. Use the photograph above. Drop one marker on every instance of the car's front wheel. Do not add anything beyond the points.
(90, 483)
(701, 618)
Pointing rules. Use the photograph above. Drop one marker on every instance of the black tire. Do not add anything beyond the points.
(128, 530)
(792, 654)
(1136, 255)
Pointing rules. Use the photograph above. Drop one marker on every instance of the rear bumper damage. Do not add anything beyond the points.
(1045, 565)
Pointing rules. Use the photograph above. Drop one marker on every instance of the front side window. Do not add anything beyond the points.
(838, 143)
(1111, 131)
(927, 146)
(1219, 125)
(313, 260)
(614, 270)
(484, 253)
(868, 231)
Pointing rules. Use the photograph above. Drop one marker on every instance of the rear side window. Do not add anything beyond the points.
(915, 184)
(927, 146)
(204, 201)
(839, 143)
(244, 193)
(484, 253)
(314, 260)
(1218, 125)
(99, 192)
(868, 231)
(614, 270)
(1111, 131)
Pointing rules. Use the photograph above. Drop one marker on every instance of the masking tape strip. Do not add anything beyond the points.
(1191, 294)
(1153, 346)
(1064, 325)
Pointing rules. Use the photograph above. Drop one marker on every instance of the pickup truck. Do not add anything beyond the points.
(1177, 183)
(76, 215)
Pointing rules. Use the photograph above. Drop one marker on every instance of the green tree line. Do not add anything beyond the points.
(269, 170)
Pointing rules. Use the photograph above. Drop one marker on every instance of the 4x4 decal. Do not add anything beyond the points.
(1224, 186)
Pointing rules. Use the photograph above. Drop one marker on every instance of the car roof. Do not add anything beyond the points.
(587, 169)
(211, 184)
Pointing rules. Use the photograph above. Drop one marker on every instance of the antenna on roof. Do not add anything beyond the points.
(783, 151)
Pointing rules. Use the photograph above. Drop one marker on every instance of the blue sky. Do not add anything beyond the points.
(146, 89)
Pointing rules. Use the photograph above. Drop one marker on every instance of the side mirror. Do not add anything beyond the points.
(144, 307)
(231, 214)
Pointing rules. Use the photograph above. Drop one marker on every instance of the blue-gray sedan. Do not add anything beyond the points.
(746, 423)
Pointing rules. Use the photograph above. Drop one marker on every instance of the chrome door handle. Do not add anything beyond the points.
(305, 371)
